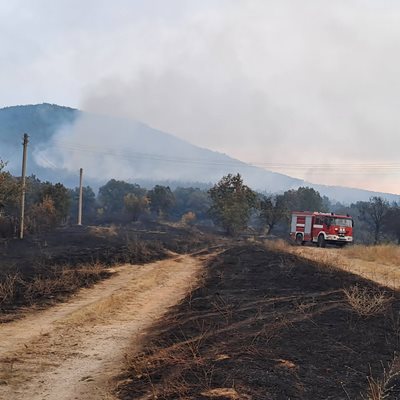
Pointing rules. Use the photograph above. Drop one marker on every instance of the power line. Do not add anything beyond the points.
(376, 168)
(47, 161)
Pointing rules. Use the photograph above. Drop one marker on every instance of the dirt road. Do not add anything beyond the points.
(72, 350)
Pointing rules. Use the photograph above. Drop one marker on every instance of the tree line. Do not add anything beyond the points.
(229, 204)
(235, 206)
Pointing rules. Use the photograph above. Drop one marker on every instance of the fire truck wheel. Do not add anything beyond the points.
(321, 241)
(299, 239)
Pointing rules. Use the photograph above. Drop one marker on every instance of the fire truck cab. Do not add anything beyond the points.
(321, 228)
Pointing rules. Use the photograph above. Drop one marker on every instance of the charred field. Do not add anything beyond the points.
(42, 269)
(265, 324)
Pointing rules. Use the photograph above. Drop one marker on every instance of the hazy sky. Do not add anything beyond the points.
(306, 87)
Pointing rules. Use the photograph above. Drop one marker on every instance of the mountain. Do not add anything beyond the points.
(41, 122)
(63, 139)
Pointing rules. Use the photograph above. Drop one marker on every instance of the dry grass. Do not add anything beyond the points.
(47, 284)
(388, 254)
(95, 313)
(182, 355)
(8, 288)
(278, 245)
(225, 393)
(379, 263)
(367, 302)
(381, 388)
(324, 258)
(376, 389)
(62, 280)
(102, 231)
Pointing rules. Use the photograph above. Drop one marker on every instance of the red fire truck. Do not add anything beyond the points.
(321, 228)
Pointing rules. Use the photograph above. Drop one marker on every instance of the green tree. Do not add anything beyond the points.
(59, 194)
(272, 211)
(232, 203)
(136, 205)
(304, 199)
(112, 194)
(191, 200)
(42, 216)
(392, 221)
(9, 202)
(374, 213)
(161, 200)
(9, 192)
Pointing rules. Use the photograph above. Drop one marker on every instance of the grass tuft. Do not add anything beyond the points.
(367, 302)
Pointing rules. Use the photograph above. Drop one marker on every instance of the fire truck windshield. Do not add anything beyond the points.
(341, 222)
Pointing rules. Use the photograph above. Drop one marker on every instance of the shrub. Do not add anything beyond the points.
(367, 302)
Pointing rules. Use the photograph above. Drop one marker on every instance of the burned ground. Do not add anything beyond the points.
(43, 268)
(269, 325)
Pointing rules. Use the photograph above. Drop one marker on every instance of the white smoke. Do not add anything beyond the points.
(274, 82)
(310, 82)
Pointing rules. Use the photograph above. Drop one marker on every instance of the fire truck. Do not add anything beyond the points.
(321, 228)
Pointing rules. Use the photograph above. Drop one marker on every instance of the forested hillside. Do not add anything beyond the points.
(64, 139)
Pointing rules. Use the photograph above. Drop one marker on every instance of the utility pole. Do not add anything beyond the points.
(80, 197)
(23, 185)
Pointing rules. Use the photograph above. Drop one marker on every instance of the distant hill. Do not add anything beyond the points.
(41, 122)
(64, 139)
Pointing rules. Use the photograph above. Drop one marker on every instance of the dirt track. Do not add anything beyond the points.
(72, 350)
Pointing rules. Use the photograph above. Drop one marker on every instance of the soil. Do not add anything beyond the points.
(269, 325)
(72, 350)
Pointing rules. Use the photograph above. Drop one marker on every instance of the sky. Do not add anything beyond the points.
(309, 88)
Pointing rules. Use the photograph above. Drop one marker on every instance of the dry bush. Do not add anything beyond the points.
(135, 246)
(42, 216)
(86, 275)
(8, 288)
(383, 253)
(39, 287)
(278, 245)
(188, 219)
(139, 251)
(367, 302)
(104, 231)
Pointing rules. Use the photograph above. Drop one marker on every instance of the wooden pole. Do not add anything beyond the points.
(80, 197)
(23, 186)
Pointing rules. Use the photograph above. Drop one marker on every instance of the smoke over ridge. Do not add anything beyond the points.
(295, 84)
